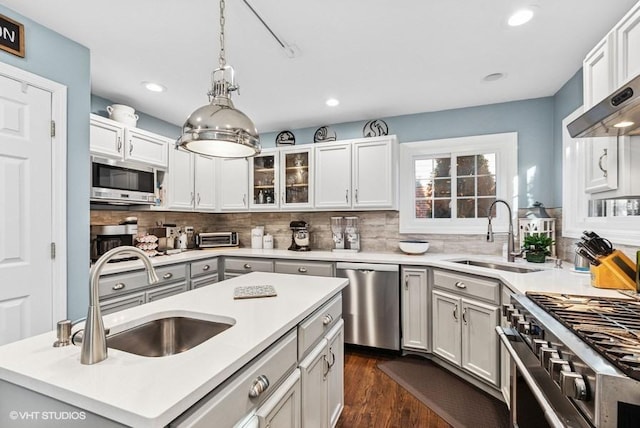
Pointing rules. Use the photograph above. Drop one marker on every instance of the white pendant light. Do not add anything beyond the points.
(218, 129)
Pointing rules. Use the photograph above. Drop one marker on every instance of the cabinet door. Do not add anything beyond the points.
(601, 170)
(446, 326)
(627, 35)
(479, 340)
(505, 360)
(282, 409)
(179, 180)
(333, 176)
(373, 179)
(234, 184)
(204, 183)
(145, 147)
(415, 310)
(106, 137)
(335, 377)
(313, 370)
(296, 178)
(264, 181)
(598, 72)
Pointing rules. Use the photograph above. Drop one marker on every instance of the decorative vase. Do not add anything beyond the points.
(535, 257)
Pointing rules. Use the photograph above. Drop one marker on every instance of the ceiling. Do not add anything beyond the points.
(379, 58)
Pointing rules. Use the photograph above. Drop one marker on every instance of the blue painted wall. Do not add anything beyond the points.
(57, 58)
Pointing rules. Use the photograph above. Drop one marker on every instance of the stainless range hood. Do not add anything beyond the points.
(608, 117)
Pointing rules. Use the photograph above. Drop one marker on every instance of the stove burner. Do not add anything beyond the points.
(611, 326)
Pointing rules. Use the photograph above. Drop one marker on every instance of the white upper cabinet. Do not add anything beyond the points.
(114, 140)
(598, 70)
(233, 184)
(264, 180)
(357, 174)
(627, 36)
(296, 178)
(205, 186)
(190, 182)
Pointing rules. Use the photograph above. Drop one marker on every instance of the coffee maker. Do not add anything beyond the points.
(299, 236)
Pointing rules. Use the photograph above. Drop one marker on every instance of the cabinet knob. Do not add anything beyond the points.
(346, 196)
(356, 196)
(247, 266)
(302, 269)
(460, 284)
(455, 313)
(260, 384)
(167, 275)
(600, 159)
(206, 267)
(464, 315)
(118, 286)
(327, 319)
(130, 147)
(119, 144)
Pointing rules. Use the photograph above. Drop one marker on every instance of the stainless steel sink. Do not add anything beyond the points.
(165, 336)
(498, 266)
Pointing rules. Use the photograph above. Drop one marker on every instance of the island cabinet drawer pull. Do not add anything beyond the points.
(118, 286)
(460, 284)
(302, 269)
(327, 319)
(167, 275)
(247, 266)
(259, 386)
(206, 268)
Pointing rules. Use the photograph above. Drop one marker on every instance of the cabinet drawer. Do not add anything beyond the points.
(121, 283)
(227, 404)
(305, 268)
(166, 291)
(204, 267)
(172, 273)
(119, 303)
(468, 285)
(318, 324)
(204, 281)
(248, 265)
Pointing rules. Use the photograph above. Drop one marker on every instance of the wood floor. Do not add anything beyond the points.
(372, 399)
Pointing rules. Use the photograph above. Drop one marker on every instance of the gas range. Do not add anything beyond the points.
(577, 356)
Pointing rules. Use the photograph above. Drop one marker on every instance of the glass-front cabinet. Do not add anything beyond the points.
(296, 184)
(264, 180)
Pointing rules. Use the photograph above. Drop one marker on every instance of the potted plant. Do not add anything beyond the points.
(536, 247)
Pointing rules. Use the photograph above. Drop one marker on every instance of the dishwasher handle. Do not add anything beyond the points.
(368, 266)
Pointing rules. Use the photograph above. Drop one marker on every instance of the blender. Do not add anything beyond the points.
(299, 236)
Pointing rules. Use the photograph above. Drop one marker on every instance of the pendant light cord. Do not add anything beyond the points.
(221, 59)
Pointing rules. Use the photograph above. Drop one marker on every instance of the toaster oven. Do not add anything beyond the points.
(217, 239)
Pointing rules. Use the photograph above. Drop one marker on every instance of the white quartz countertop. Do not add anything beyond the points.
(549, 279)
(150, 392)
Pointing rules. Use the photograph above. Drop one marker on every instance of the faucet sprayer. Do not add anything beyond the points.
(510, 239)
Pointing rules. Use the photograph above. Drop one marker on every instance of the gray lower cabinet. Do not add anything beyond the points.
(236, 266)
(166, 291)
(204, 272)
(116, 304)
(305, 267)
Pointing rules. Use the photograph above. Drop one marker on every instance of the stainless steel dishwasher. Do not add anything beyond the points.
(371, 304)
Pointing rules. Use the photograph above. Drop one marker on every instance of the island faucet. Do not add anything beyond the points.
(94, 341)
(510, 239)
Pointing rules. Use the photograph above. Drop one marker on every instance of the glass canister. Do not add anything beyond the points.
(352, 234)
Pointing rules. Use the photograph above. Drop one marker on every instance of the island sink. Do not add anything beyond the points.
(166, 336)
(498, 266)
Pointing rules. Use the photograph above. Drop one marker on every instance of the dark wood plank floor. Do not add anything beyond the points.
(372, 399)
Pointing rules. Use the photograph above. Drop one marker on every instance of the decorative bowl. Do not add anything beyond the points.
(414, 246)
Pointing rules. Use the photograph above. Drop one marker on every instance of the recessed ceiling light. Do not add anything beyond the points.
(153, 87)
(520, 17)
(493, 77)
(624, 124)
(332, 102)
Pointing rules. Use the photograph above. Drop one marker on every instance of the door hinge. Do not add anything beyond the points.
(53, 250)
(53, 128)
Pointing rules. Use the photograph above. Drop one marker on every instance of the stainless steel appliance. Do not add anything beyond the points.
(575, 360)
(217, 239)
(108, 237)
(299, 236)
(167, 237)
(121, 183)
(371, 304)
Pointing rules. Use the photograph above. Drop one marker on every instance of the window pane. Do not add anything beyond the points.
(424, 188)
(442, 208)
(483, 206)
(466, 208)
(424, 209)
(487, 164)
(442, 167)
(442, 187)
(424, 169)
(466, 165)
(486, 185)
(466, 186)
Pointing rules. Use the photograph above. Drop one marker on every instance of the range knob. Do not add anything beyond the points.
(515, 316)
(557, 365)
(539, 343)
(546, 354)
(573, 385)
(507, 309)
(523, 326)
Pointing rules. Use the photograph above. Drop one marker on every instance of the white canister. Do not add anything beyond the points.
(267, 242)
(123, 114)
(256, 236)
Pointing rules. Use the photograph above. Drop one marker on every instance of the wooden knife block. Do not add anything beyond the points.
(615, 271)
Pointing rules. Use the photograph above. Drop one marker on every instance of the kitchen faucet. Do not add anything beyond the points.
(510, 239)
(94, 340)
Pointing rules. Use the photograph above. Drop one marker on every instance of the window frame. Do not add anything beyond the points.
(505, 147)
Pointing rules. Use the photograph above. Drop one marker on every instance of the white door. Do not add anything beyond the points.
(335, 377)
(415, 312)
(234, 184)
(313, 370)
(333, 176)
(373, 182)
(479, 341)
(180, 194)
(446, 326)
(26, 266)
(205, 183)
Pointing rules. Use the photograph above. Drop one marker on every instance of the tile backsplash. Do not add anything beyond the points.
(378, 229)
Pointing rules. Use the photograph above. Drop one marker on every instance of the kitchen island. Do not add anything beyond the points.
(152, 391)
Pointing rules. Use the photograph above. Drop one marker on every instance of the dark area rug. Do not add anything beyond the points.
(453, 399)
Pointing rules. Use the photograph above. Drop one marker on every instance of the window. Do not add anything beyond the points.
(448, 185)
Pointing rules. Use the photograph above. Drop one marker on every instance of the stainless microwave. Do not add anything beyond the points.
(122, 183)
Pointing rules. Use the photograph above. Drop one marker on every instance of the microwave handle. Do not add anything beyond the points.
(549, 413)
